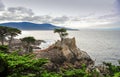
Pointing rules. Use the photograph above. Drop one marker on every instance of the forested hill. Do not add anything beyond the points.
(30, 26)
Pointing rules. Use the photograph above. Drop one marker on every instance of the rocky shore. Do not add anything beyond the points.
(65, 54)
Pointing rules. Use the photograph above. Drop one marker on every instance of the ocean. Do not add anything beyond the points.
(101, 45)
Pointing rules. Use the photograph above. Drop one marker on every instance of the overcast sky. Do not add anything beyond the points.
(69, 13)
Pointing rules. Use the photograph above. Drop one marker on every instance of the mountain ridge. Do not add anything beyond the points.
(31, 26)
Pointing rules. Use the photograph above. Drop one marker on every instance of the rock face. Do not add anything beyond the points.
(65, 52)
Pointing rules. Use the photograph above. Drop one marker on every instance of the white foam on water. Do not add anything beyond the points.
(46, 44)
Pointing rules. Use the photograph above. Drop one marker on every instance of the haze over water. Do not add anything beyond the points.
(101, 45)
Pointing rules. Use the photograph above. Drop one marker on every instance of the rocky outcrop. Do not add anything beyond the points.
(65, 52)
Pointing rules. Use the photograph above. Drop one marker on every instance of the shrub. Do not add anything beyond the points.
(114, 71)
(4, 48)
(13, 65)
(19, 66)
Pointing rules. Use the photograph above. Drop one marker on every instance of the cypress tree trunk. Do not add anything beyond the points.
(10, 42)
(2, 40)
(28, 48)
(61, 37)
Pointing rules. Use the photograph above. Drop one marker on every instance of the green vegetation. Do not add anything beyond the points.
(4, 48)
(8, 32)
(3, 34)
(27, 42)
(14, 65)
(62, 33)
(114, 71)
(12, 32)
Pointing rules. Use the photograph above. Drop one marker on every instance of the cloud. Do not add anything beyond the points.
(61, 19)
(21, 10)
(93, 20)
(38, 19)
(26, 14)
(14, 14)
(2, 7)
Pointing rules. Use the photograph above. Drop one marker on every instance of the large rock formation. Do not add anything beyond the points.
(65, 53)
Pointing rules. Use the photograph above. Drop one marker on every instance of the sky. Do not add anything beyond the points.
(67, 13)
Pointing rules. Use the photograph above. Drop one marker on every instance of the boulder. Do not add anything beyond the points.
(65, 52)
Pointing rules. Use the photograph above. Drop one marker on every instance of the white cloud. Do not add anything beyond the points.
(14, 14)
(26, 14)
(92, 20)
(61, 19)
(21, 10)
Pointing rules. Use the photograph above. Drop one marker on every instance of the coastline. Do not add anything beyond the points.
(100, 45)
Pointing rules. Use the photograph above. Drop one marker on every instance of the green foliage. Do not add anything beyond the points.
(72, 72)
(75, 73)
(28, 41)
(13, 31)
(6, 32)
(117, 74)
(50, 74)
(114, 71)
(62, 32)
(4, 48)
(20, 66)
(13, 65)
(3, 34)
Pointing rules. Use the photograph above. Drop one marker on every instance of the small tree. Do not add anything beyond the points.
(28, 41)
(12, 32)
(3, 33)
(62, 33)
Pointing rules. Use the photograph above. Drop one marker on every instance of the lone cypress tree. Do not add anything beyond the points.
(62, 33)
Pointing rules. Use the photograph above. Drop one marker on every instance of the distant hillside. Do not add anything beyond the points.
(30, 26)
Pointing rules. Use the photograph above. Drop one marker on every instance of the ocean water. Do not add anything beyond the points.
(101, 45)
